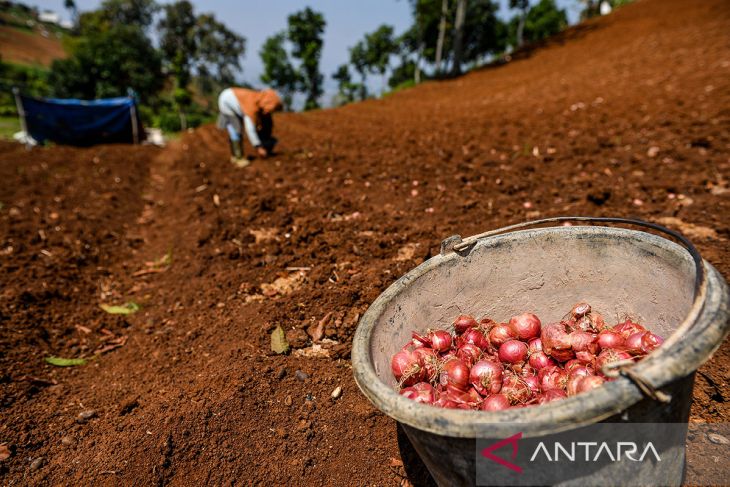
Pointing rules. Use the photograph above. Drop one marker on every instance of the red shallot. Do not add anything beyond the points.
(495, 402)
(525, 326)
(407, 367)
(455, 373)
(486, 377)
(493, 366)
(513, 352)
(463, 323)
(500, 334)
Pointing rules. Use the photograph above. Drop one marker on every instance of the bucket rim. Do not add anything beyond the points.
(662, 367)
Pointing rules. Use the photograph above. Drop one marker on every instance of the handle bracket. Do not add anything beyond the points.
(448, 244)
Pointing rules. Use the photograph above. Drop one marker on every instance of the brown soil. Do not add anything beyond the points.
(23, 47)
(624, 116)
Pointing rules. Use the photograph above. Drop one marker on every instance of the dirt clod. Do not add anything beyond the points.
(718, 439)
(336, 393)
(37, 464)
(297, 338)
(85, 416)
(281, 373)
(128, 406)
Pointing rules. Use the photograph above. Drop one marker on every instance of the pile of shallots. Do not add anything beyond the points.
(492, 366)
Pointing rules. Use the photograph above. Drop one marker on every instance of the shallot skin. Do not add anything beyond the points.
(430, 360)
(463, 323)
(516, 389)
(474, 336)
(556, 341)
(650, 341)
(469, 354)
(628, 328)
(422, 392)
(580, 309)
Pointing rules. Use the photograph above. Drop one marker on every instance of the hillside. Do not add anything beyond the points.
(627, 115)
(25, 40)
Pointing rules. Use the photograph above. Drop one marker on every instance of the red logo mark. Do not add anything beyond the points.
(487, 452)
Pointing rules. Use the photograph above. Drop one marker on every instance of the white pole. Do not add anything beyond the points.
(21, 112)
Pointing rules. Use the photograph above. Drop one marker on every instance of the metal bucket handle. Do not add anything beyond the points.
(457, 244)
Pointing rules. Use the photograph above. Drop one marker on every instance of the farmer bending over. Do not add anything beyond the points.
(240, 109)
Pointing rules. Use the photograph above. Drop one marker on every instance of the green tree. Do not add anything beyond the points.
(114, 13)
(199, 44)
(523, 6)
(410, 46)
(372, 54)
(379, 46)
(130, 12)
(347, 90)
(542, 21)
(305, 33)
(459, 36)
(484, 32)
(441, 39)
(402, 74)
(219, 50)
(410, 51)
(32, 79)
(480, 33)
(591, 8)
(278, 70)
(359, 61)
(107, 63)
(178, 39)
(423, 35)
(183, 101)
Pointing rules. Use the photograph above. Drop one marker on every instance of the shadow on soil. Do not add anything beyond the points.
(416, 470)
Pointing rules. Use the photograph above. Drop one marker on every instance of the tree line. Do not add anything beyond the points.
(446, 37)
(112, 53)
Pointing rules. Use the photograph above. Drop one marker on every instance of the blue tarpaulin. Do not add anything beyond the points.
(81, 122)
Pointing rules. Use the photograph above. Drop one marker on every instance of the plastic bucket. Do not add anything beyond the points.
(621, 272)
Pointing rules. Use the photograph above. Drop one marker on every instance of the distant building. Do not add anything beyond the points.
(49, 17)
(66, 24)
